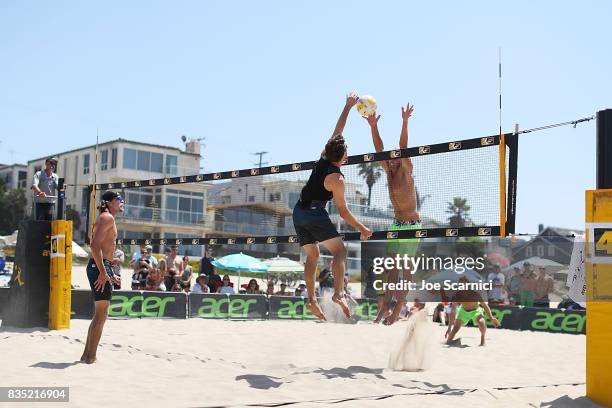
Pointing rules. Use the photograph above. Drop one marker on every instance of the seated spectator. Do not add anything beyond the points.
(201, 285)
(135, 284)
(326, 279)
(439, 315)
(185, 277)
(270, 289)
(151, 284)
(214, 281)
(149, 255)
(227, 286)
(171, 277)
(141, 271)
(137, 255)
(176, 286)
(283, 290)
(158, 278)
(185, 286)
(253, 288)
(301, 290)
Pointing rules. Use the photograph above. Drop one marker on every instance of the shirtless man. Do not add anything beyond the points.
(99, 269)
(403, 198)
(468, 305)
(312, 222)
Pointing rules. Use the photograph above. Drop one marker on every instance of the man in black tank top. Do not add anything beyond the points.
(312, 222)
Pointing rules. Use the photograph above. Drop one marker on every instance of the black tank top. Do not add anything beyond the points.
(314, 188)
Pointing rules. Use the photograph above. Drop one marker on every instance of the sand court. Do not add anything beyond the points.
(207, 363)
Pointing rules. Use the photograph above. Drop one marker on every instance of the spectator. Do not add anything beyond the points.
(439, 314)
(185, 277)
(514, 286)
(201, 285)
(270, 289)
(253, 288)
(227, 286)
(171, 278)
(497, 278)
(283, 290)
(569, 304)
(135, 284)
(176, 286)
(214, 281)
(151, 283)
(185, 286)
(528, 282)
(158, 277)
(116, 263)
(137, 255)
(44, 187)
(301, 290)
(206, 266)
(141, 271)
(174, 261)
(544, 285)
(149, 256)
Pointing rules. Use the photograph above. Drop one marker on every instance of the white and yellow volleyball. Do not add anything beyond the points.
(366, 105)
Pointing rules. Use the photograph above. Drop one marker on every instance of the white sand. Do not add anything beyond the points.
(196, 362)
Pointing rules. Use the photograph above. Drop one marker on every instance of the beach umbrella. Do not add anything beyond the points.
(279, 264)
(535, 261)
(240, 262)
(498, 259)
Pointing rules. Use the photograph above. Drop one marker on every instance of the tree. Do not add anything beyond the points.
(459, 211)
(12, 208)
(371, 173)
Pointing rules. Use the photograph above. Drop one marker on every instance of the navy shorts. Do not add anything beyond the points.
(92, 274)
(312, 224)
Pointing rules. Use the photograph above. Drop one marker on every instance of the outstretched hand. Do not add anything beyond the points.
(351, 99)
(407, 113)
(373, 119)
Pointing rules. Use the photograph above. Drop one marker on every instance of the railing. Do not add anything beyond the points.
(364, 211)
(156, 215)
(251, 229)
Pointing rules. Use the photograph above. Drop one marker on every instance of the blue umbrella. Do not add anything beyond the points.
(240, 262)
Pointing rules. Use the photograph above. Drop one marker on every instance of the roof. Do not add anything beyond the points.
(561, 231)
(4, 166)
(120, 140)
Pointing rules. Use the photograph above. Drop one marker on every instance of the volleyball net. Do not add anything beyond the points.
(463, 188)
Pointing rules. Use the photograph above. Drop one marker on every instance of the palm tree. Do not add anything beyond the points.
(371, 173)
(460, 212)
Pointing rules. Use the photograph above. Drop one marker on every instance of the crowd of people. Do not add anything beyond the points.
(524, 286)
(173, 273)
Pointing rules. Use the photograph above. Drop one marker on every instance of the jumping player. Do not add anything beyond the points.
(312, 222)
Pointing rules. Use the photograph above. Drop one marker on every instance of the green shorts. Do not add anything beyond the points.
(404, 246)
(466, 315)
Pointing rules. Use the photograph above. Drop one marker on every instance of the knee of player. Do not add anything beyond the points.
(340, 252)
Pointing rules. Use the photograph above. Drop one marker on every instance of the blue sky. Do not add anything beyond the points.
(272, 75)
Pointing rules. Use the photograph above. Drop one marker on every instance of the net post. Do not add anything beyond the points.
(599, 269)
(502, 184)
(90, 213)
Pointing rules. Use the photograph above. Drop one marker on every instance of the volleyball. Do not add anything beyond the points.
(366, 105)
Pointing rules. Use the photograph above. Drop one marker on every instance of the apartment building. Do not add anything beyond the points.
(14, 176)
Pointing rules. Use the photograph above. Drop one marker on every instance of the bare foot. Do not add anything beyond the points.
(456, 342)
(392, 318)
(90, 360)
(383, 313)
(314, 308)
(83, 358)
(482, 341)
(342, 303)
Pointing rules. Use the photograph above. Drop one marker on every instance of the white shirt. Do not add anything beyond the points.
(497, 279)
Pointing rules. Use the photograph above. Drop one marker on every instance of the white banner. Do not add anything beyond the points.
(576, 276)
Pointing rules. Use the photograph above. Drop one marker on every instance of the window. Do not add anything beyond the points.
(144, 160)
(540, 250)
(551, 251)
(114, 158)
(104, 160)
(226, 199)
(171, 164)
(157, 162)
(251, 199)
(529, 252)
(275, 196)
(86, 163)
(184, 207)
(22, 179)
(129, 159)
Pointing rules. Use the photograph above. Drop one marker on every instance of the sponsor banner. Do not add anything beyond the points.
(221, 306)
(509, 317)
(553, 320)
(148, 304)
(366, 309)
(475, 143)
(289, 307)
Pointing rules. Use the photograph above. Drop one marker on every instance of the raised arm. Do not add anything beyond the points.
(406, 113)
(335, 184)
(351, 100)
(376, 140)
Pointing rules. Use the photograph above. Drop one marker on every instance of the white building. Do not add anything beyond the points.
(14, 176)
(171, 212)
